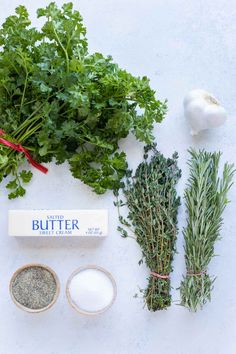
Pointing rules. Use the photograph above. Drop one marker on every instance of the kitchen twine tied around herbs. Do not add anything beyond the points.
(190, 274)
(160, 276)
(20, 148)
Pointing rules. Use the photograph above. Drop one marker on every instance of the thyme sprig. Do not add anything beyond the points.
(153, 205)
(205, 199)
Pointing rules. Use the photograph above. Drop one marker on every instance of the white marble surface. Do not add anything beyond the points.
(180, 45)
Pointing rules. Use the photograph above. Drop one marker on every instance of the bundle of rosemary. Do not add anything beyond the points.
(153, 205)
(205, 198)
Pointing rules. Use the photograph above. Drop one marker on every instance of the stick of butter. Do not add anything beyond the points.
(58, 223)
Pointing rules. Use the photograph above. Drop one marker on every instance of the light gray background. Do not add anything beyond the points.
(180, 45)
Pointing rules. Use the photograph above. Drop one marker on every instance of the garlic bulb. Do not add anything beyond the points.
(203, 111)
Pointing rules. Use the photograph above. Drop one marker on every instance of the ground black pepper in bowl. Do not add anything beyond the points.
(34, 288)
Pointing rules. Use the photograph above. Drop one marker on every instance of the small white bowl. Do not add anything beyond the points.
(32, 265)
(75, 306)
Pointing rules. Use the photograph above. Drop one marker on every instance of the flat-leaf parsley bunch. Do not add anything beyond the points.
(62, 103)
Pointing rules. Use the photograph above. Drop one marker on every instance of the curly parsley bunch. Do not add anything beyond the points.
(63, 103)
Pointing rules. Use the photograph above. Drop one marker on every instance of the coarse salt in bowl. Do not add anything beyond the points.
(91, 290)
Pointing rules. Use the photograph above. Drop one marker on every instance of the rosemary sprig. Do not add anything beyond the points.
(153, 205)
(205, 199)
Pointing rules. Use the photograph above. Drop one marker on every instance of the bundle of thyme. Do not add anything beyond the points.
(153, 205)
(205, 198)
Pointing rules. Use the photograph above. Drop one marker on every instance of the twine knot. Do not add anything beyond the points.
(160, 276)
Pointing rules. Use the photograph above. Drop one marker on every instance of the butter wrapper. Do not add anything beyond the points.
(58, 223)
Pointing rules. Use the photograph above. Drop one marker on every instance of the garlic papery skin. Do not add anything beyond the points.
(203, 111)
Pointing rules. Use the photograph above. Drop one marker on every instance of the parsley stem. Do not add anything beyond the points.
(62, 47)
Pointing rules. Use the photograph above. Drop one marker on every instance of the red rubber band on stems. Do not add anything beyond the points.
(20, 148)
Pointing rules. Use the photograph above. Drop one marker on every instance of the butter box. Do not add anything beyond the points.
(58, 223)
